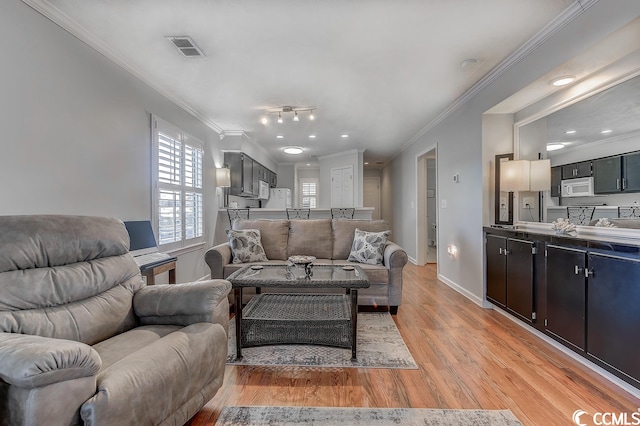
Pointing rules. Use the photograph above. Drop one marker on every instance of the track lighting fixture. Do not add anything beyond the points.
(286, 109)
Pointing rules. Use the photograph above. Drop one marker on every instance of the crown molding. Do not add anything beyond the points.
(65, 22)
(559, 22)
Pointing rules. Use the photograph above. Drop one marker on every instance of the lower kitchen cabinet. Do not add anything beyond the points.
(585, 292)
(510, 264)
(613, 328)
(566, 295)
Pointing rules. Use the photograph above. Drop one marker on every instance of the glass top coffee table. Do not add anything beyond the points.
(297, 318)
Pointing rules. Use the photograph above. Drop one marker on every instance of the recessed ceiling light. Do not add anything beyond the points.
(344, 136)
(312, 136)
(570, 132)
(308, 164)
(554, 146)
(264, 120)
(279, 136)
(293, 150)
(563, 81)
(366, 163)
(605, 131)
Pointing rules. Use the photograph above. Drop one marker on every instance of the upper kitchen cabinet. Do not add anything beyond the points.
(246, 174)
(241, 167)
(576, 170)
(617, 174)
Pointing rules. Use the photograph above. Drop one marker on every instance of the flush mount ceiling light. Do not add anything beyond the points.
(286, 110)
(570, 132)
(344, 136)
(554, 146)
(312, 136)
(563, 81)
(293, 150)
(606, 131)
(280, 136)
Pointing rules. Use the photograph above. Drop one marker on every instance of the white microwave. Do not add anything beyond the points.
(263, 190)
(579, 187)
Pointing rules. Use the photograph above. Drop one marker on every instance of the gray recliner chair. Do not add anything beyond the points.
(83, 339)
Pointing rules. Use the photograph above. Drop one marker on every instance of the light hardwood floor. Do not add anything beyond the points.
(468, 357)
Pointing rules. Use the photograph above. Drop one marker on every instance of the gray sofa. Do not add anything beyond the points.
(330, 242)
(83, 339)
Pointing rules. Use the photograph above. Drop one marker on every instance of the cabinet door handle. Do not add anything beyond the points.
(500, 250)
(618, 183)
(624, 183)
(588, 272)
(578, 270)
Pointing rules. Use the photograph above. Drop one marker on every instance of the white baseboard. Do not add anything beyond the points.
(463, 291)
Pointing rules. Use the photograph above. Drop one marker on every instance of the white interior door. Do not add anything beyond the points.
(342, 187)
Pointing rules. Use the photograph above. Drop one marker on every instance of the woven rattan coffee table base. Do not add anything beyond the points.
(316, 319)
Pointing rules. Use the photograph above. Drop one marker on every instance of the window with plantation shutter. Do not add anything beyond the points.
(309, 193)
(178, 195)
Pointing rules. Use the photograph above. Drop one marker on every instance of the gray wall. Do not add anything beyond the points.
(76, 130)
(459, 138)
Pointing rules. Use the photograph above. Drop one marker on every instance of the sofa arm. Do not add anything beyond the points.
(217, 257)
(183, 304)
(28, 361)
(394, 256)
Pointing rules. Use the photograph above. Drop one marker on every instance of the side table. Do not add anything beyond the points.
(153, 269)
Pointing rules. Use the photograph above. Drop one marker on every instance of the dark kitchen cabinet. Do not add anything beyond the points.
(241, 170)
(617, 174)
(496, 247)
(631, 172)
(585, 292)
(607, 175)
(510, 276)
(566, 295)
(556, 181)
(613, 327)
(246, 173)
(273, 179)
(576, 170)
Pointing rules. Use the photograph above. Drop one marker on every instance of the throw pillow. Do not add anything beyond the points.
(246, 246)
(368, 247)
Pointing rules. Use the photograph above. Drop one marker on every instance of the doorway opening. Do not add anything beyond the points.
(427, 203)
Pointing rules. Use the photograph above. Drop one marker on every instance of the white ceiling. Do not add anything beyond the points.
(379, 71)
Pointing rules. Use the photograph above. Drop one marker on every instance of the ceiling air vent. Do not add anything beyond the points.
(186, 46)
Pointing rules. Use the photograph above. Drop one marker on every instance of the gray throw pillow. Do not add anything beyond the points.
(246, 246)
(368, 247)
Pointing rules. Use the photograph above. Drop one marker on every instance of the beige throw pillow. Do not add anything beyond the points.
(368, 247)
(246, 246)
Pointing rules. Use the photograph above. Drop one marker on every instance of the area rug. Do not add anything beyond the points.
(379, 346)
(256, 416)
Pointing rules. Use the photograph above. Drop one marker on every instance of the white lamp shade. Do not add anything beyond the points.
(223, 177)
(514, 176)
(540, 175)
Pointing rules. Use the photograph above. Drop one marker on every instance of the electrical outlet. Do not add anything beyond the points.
(528, 202)
(503, 202)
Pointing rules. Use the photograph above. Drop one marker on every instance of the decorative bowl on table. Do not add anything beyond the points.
(304, 261)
